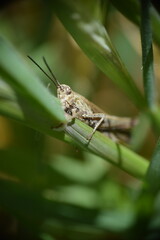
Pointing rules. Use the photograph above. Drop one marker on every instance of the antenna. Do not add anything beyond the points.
(53, 79)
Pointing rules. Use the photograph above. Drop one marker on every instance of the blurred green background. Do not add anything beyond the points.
(48, 188)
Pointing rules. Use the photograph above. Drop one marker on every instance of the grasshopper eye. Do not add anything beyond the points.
(68, 92)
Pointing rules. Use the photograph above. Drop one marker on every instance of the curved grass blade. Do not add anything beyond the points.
(36, 103)
(104, 147)
(86, 28)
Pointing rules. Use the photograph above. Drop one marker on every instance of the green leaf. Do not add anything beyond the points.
(102, 146)
(26, 100)
(130, 9)
(147, 55)
(36, 103)
(83, 23)
(153, 173)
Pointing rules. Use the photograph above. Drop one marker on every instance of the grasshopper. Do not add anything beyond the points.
(77, 106)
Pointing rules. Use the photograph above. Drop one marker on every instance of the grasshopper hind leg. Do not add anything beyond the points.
(95, 128)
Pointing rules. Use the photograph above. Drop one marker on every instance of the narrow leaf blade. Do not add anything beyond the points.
(90, 34)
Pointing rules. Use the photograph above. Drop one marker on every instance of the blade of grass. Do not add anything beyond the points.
(102, 146)
(147, 55)
(86, 28)
(130, 9)
(153, 173)
(9, 107)
(149, 87)
(148, 195)
(147, 59)
(36, 103)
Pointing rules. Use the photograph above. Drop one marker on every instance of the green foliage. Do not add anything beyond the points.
(153, 171)
(90, 34)
(54, 193)
(35, 102)
(147, 55)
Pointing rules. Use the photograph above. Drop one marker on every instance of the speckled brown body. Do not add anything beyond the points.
(76, 106)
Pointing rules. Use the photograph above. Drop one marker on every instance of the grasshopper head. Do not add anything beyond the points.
(63, 91)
